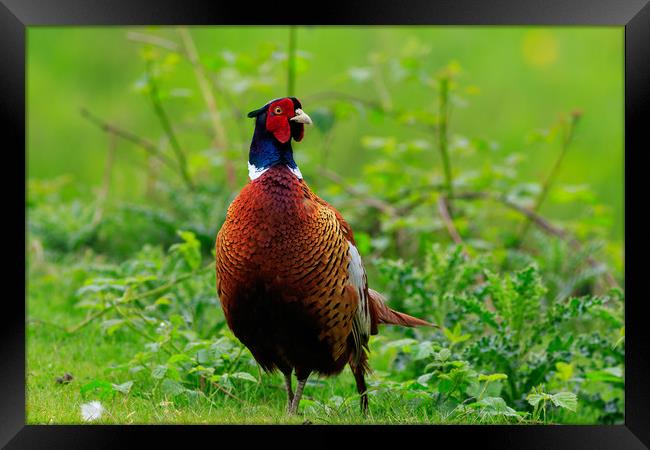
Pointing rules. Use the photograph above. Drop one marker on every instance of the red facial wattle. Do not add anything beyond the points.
(278, 121)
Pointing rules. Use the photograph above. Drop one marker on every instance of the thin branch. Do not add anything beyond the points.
(129, 299)
(370, 201)
(173, 46)
(145, 144)
(44, 322)
(568, 131)
(291, 61)
(380, 86)
(85, 322)
(531, 215)
(227, 392)
(154, 95)
(129, 324)
(106, 184)
(443, 209)
(542, 223)
(443, 96)
(219, 141)
(142, 333)
(371, 104)
(152, 167)
(151, 39)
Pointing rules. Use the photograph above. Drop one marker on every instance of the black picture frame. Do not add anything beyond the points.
(634, 15)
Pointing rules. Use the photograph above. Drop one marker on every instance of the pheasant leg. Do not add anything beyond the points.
(296, 398)
(287, 384)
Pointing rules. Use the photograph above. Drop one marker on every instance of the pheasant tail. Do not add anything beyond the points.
(385, 315)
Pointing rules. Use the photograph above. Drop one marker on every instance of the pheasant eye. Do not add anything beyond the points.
(277, 110)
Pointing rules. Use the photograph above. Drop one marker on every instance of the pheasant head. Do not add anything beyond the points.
(276, 123)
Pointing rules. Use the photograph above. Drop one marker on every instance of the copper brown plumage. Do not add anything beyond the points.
(289, 277)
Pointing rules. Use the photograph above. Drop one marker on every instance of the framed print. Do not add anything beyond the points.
(379, 216)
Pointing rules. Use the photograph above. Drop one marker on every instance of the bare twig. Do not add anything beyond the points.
(108, 170)
(165, 44)
(145, 144)
(376, 203)
(154, 95)
(443, 209)
(227, 392)
(535, 218)
(142, 333)
(371, 104)
(86, 321)
(568, 131)
(380, 86)
(152, 167)
(542, 223)
(151, 39)
(291, 61)
(220, 140)
(443, 96)
(129, 299)
(44, 322)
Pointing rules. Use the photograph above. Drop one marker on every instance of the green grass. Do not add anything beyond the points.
(93, 355)
(89, 354)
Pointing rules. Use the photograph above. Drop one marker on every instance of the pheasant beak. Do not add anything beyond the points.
(301, 117)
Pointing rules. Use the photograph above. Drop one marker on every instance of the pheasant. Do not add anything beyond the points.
(289, 276)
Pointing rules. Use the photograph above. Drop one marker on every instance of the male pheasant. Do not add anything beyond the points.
(289, 277)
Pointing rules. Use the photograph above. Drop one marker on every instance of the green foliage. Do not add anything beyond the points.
(168, 300)
(504, 323)
(451, 226)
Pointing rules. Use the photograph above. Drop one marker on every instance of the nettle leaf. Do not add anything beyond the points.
(403, 344)
(112, 325)
(159, 371)
(495, 406)
(492, 377)
(179, 357)
(190, 249)
(424, 379)
(244, 376)
(136, 369)
(424, 350)
(203, 356)
(177, 320)
(171, 387)
(153, 347)
(566, 400)
(534, 399)
(223, 379)
(446, 385)
(444, 354)
(124, 388)
(454, 335)
(206, 371)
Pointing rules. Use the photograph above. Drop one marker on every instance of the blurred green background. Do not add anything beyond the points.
(520, 78)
